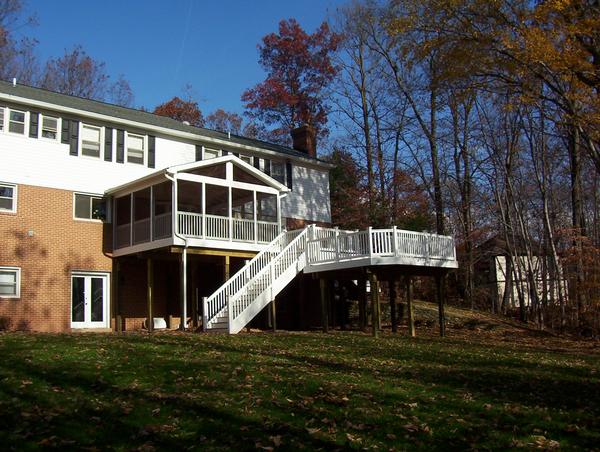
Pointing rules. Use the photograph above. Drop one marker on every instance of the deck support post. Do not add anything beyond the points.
(274, 315)
(324, 307)
(375, 308)
(150, 294)
(114, 296)
(183, 280)
(362, 303)
(195, 309)
(409, 305)
(393, 306)
(440, 279)
(226, 268)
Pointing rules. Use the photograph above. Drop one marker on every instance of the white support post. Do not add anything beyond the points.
(204, 314)
(255, 217)
(131, 219)
(152, 213)
(230, 214)
(229, 314)
(174, 205)
(370, 234)
(203, 208)
(182, 325)
(395, 241)
(337, 244)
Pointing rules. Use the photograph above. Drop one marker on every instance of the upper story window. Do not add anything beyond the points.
(49, 128)
(135, 148)
(16, 122)
(210, 153)
(246, 158)
(10, 282)
(278, 171)
(90, 140)
(8, 198)
(89, 207)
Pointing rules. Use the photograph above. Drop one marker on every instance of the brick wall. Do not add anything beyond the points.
(48, 244)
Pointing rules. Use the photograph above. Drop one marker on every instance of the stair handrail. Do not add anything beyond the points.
(212, 307)
(269, 267)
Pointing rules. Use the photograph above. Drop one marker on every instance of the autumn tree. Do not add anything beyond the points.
(299, 68)
(224, 121)
(17, 55)
(78, 74)
(181, 110)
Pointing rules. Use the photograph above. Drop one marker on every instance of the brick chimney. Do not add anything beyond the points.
(305, 140)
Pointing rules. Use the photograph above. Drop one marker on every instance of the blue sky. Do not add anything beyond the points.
(160, 46)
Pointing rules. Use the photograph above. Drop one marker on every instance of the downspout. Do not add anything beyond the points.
(182, 325)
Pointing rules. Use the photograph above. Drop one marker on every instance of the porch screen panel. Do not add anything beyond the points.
(141, 216)
(122, 221)
(266, 213)
(242, 210)
(217, 212)
(162, 210)
(189, 207)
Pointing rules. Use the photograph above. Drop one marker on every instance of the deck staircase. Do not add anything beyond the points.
(231, 307)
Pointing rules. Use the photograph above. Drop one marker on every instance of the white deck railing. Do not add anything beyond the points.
(344, 245)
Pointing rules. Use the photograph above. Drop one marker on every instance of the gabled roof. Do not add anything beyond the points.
(172, 170)
(143, 117)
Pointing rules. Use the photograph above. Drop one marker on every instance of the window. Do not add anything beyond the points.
(49, 128)
(8, 198)
(10, 282)
(16, 122)
(135, 148)
(246, 158)
(278, 171)
(210, 153)
(90, 141)
(89, 207)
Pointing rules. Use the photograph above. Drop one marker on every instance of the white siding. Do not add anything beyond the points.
(44, 163)
(309, 198)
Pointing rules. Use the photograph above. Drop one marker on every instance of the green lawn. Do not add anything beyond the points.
(295, 390)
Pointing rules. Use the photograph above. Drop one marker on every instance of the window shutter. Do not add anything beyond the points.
(198, 152)
(34, 119)
(74, 135)
(65, 136)
(256, 163)
(288, 174)
(120, 146)
(267, 169)
(108, 142)
(151, 151)
(224, 152)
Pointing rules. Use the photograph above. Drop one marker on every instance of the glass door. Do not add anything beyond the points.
(89, 300)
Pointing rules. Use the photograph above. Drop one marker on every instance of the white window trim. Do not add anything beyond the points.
(58, 128)
(204, 149)
(80, 141)
(92, 220)
(18, 287)
(15, 197)
(126, 150)
(7, 111)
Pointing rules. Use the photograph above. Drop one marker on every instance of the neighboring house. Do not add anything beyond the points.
(110, 216)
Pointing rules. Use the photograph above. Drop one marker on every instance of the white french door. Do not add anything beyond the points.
(89, 300)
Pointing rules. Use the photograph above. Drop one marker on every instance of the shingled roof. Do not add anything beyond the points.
(131, 114)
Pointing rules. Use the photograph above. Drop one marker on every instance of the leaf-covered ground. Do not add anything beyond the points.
(299, 390)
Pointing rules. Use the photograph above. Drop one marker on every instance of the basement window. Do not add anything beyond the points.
(10, 282)
(89, 207)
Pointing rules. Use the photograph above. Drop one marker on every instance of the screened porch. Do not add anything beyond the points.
(221, 205)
